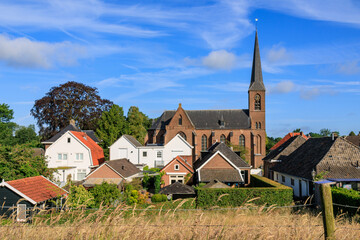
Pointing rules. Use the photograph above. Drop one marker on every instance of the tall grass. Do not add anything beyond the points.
(161, 223)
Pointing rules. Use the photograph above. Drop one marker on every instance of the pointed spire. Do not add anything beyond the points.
(256, 74)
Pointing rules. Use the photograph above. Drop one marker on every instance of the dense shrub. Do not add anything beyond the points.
(79, 197)
(346, 197)
(268, 193)
(159, 198)
(133, 196)
(107, 194)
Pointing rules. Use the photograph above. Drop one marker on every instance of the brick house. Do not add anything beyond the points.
(202, 128)
(178, 170)
(222, 164)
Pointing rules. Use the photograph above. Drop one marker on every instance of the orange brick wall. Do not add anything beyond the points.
(218, 162)
(170, 168)
(104, 172)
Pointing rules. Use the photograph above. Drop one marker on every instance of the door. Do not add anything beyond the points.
(123, 153)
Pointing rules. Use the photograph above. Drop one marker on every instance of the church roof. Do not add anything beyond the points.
(256, 83)
(209, 119)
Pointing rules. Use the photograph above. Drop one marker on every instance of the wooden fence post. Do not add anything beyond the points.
(327, 211)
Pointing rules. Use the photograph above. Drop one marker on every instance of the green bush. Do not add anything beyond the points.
(80, 197)
(268, 192)
(107, 194)
(345, 197)
(159, 198)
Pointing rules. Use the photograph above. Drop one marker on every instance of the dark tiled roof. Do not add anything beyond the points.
(124, 167)
(256, 83)
(337, 158)
(177, 188)
(72, 127)
(287, 137)
(226, 151)
(223, 175)
(133, 140)
(285, 149)
(216, 184)
(209, 119)
(354, 139)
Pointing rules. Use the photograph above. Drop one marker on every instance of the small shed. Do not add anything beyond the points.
(178, 190)
(22, 195)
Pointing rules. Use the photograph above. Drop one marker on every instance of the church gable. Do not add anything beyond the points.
(181, 119)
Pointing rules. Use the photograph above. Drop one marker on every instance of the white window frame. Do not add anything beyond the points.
(177, 178)
(176, 167)
(144, 153)
(159, 154)
(79, 157)
(80, 171)
(62, 157)
(21, 209)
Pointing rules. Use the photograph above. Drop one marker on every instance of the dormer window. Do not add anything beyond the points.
(180, 120)
(257, 102)
(222, 123)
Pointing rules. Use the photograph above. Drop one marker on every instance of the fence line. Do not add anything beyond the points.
(347, 206)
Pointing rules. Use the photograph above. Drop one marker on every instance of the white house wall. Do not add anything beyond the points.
(62, 146)
(175, 147)
(117, 150)
(304, 183)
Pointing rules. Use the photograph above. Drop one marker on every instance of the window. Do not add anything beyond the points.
(222, 138)
(81, 173)
(21, 212)
(69, 140)
(242, 141)
(256, 125)
(176, 167)
(292, 182)
(203, 143)
(180, 120)
(257, 102)
(183, 135)
(62, 156)
(276, 177)
(259, 125)
(159, 154)
(222, 123)
(176, 178)
(283, 178)
(144, 154)
(79, 156)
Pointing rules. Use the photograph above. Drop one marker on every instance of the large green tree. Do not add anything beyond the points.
(20, 161)
(71, 100)
(138, 123)
(111, 126)
(7, 127)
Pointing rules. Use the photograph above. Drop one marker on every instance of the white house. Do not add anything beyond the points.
(151, 155)
(73, 153)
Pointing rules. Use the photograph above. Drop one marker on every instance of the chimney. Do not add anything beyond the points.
(72, 122)
(333, 136)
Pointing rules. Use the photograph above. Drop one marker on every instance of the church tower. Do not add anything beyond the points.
(256, 95)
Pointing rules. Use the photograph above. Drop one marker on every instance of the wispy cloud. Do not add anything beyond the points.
(285, 86)
(349, 68)
(221, 59)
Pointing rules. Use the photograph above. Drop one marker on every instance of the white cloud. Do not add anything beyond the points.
(349, 68)
(282, 87)
(278, 54)
(221, 59)
(22, 52)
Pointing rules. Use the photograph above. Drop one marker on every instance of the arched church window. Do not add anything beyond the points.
(203, 143)
(222, 138)
(257, 102)
(256, 125)
(180, 120)
(182, 134)
(242, 141)
(259, 125)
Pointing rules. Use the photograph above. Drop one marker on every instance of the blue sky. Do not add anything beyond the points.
(156, 54)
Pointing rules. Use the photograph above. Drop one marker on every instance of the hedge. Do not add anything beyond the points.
(345, 197)
(264, 190)
(159, 198)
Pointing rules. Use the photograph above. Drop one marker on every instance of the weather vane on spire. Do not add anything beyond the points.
(256, 20)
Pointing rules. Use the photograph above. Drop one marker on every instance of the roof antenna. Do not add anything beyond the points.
(256, 20)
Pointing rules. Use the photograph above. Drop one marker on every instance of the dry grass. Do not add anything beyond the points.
(179, 224)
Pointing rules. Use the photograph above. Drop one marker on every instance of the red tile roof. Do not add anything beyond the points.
(97, 152)
(37, 188)
(287, 137)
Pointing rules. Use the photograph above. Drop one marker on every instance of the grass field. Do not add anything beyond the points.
(118, 223)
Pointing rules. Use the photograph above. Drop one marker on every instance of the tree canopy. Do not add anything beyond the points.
(111, 126)
(138, 123)
(20, 161)
(71, 100)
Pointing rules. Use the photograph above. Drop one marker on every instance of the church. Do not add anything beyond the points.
(240, 128)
